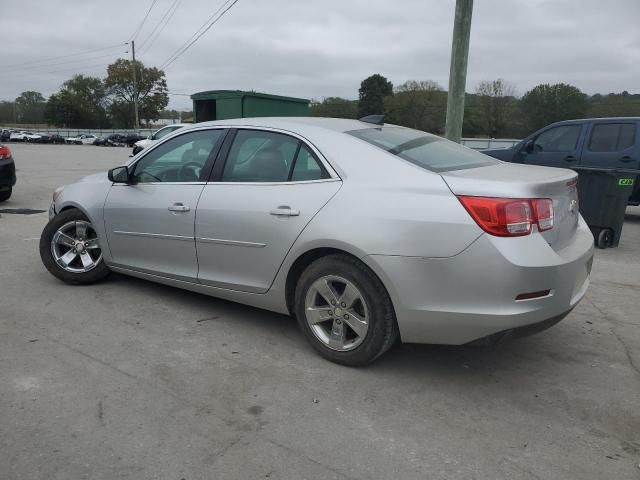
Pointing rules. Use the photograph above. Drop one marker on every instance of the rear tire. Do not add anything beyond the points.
(5, 194)
(370, 328)
(64, 258)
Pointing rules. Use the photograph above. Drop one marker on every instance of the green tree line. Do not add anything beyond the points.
(92, 102)
(493, 110)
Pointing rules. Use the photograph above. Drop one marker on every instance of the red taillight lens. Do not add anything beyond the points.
(543, 211)
(509, 217)
(4, 152)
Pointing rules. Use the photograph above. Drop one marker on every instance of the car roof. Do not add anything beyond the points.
(297, 124)
(598, 119)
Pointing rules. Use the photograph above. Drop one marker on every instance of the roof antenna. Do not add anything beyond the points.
(375, 119)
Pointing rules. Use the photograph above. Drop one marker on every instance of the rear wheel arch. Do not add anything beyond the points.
(307, 258)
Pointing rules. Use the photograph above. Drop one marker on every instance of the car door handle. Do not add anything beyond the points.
(285, 211)
(179, 208)
(626, 159)
(570, 158)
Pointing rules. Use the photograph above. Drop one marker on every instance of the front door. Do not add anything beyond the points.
(271, 186)
(555, 147)
(150, 221)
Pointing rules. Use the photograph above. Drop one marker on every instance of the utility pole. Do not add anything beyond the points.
(458, 70)
(135, 84)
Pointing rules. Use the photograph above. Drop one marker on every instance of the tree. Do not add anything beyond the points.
(417, 104)
(7, 112)
(150, 91)
(30, 107)
(496, 101)
(81, 103)
(372, 92)
(546, 104)
(335, 107)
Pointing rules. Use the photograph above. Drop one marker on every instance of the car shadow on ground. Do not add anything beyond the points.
(463, 361)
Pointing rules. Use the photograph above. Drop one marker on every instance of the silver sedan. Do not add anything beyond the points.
(368, 233)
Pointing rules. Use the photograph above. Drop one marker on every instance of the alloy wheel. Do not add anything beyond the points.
(75, 247)
(337, 313)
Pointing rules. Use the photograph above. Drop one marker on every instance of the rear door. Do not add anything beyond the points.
(264, 194)
(612, 144)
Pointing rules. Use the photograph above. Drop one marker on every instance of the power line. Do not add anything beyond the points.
(137, 31)
(44, 61)
(64, 63)
(178, 53)
(77, 70)
(168, 15)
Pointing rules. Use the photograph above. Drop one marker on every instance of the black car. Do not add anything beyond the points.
(5, 135)
(132, 138)
(114, 140)
(7, 173)
(600, 143)
(51, 138)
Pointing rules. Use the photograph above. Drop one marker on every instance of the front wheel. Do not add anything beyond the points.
(70, 250)
(344, 310)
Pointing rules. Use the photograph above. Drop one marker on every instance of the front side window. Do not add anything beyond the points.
(422, 149)
(558, 139)
(261, 156)
(612, 137)
(180, 159)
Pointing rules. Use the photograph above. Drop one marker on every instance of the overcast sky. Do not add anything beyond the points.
(320, 48)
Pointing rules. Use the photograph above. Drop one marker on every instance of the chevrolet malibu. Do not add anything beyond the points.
(366, 232)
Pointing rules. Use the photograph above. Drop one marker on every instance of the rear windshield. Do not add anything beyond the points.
(422, 149)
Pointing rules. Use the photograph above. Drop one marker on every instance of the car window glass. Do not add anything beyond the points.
(163, 132)
(558, 139)
(612, 137)
(180, 159)
(260, 156)
(306, 167)
(423, 149)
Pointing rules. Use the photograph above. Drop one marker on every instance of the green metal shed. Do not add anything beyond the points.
(223, 104)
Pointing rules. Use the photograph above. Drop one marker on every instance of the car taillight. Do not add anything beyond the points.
(543, 211)
(509, 217)
(4, 152)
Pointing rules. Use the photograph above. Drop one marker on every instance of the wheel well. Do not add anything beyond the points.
(300, 265)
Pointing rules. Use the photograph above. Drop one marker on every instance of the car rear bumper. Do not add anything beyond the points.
(7, 173)
(472, 295)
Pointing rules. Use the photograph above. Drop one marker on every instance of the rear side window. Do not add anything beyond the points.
(612, 137)
(306, 167)
(558, 139)
(422, 149)
(261, 156)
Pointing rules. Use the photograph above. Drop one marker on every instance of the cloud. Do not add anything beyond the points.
(324, 48)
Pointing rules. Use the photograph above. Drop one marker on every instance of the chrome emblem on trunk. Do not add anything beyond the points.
(573, 206)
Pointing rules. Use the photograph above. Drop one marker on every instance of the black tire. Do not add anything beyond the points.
(98, 273)
(605, 238)
(383, 329)
(5, 194)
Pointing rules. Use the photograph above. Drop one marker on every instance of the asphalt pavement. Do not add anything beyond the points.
(128, 379)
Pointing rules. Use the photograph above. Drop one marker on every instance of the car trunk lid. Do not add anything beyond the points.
(508, 180)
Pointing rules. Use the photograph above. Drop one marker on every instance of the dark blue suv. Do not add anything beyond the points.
(590, 142)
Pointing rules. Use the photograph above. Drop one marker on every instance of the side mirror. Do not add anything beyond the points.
(528, 147)
(119, 175)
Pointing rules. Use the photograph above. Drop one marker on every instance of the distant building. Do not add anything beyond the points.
(223, 104)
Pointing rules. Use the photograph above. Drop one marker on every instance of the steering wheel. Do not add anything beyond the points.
(190, 169)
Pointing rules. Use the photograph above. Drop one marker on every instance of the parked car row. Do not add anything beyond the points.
(117, 139)
(132, 140)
